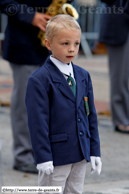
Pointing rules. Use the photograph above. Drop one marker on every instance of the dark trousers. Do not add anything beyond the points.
(22, 149)
(119, 83)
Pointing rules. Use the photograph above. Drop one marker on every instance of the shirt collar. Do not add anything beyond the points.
(63, 67)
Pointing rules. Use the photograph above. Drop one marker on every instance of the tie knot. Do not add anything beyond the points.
(70, 81)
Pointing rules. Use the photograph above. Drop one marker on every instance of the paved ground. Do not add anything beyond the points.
(114, 178)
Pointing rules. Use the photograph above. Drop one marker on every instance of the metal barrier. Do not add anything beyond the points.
(3, 23)
(84, 43)
(90, 25)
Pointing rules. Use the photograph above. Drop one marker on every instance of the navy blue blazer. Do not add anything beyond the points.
(59, 127)
(114, 28)
(21, 44)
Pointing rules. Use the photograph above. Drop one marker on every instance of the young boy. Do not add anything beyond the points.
(61, 113)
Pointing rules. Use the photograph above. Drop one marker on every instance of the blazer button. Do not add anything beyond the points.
(79, 120)
(81, 133)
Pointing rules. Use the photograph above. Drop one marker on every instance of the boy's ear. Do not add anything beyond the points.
(48, 45)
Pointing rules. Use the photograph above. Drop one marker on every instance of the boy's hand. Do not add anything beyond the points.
(96, 164)
(46, 167)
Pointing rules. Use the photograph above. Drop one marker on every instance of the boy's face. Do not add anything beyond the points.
(64, 45)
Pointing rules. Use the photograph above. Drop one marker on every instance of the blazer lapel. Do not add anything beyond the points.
(66, 90)
(80, 85)
(58, 77)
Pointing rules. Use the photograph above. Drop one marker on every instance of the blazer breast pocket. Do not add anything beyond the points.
(86, 105)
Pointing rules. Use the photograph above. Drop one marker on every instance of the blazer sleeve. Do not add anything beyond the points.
(17, 11)
(37, 104)
(108, 1)
(93, 123)
(21, 12)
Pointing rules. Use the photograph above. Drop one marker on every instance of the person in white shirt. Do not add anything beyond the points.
(61, 113)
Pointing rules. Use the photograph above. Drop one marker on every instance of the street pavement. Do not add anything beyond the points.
(114, 178)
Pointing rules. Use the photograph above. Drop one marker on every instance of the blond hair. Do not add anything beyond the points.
(59, 22)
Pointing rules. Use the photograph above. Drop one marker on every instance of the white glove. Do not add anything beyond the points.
(46, 167)
(96, 164)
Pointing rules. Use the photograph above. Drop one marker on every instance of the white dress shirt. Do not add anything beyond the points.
(66, 69)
